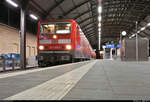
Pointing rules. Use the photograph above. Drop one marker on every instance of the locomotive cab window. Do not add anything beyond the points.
(47, 28)
(63, 28)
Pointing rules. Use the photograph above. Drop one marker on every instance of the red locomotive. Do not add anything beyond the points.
(62, 41)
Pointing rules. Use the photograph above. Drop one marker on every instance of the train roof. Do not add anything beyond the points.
(61, 20)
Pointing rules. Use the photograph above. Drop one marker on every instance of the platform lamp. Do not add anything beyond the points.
(123, 33)
(137, 41)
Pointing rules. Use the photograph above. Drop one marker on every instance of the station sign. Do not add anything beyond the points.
(110, 45)
(118, 45)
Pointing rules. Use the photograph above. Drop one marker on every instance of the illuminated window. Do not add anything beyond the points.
(63, 28)
(47, 28)
(55, 28)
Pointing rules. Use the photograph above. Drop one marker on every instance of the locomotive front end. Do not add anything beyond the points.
(54, 42)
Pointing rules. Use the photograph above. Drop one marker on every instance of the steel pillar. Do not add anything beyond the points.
(137, 49)
(121, 46)
(23, 34)
(97, 54)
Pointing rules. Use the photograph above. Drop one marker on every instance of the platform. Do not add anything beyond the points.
(90, 80)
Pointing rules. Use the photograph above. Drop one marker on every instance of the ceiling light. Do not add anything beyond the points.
(143, 28)
(130, 37)
(148, 24)
(50, 26)
(68, 25)
(99, 18)
(99, 33)
(33, 17)
(46, 26)
(99, 29)
(12, 3)
(62, 31)
(133, 35)
(99, 25)
(99, 9)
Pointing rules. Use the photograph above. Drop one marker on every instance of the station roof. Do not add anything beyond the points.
(82, 11)
(117, 16)
(122, 15)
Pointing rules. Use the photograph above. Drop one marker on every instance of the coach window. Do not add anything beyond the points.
(47, 28)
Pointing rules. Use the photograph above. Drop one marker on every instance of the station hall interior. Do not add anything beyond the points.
(75, 49)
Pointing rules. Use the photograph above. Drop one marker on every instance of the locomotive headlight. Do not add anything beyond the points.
(54, 36)
(68, 47)
(41, 47)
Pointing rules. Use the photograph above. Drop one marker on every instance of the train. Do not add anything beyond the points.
(62, 41)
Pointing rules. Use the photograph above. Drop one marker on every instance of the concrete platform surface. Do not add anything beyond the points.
(90, 80)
